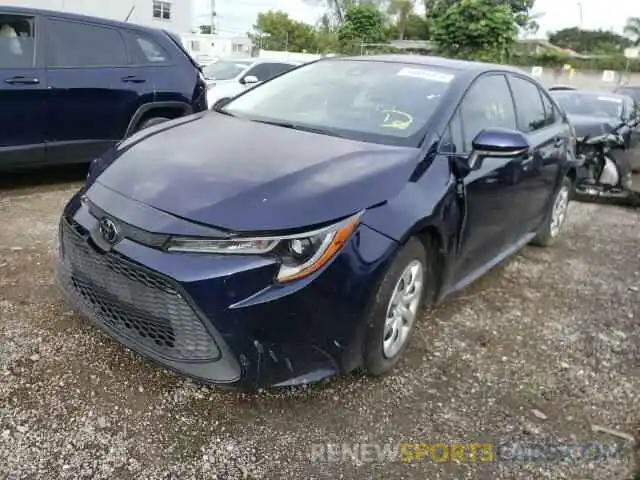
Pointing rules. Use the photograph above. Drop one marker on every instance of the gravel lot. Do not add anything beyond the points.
(542, 348)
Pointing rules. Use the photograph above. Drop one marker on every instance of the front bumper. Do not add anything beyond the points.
(220, 319)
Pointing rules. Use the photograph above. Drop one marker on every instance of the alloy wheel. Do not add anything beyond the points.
(402, 309)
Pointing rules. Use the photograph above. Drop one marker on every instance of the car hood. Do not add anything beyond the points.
(591, 126)
(240, 175)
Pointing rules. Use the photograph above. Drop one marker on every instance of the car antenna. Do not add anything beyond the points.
(130, 12)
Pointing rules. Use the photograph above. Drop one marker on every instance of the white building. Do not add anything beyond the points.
(172, 15)
(206, 48)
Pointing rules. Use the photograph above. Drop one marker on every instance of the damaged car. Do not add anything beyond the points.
(296, 231)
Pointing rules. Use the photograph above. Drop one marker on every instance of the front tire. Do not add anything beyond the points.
(396, 307)
(552, 227)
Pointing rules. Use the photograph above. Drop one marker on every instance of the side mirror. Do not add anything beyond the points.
(250, 80)
(497, 142)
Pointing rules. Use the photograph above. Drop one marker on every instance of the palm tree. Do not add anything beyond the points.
(401, 9)
(632, 30)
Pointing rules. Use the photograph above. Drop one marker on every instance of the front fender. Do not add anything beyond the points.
(428, 203)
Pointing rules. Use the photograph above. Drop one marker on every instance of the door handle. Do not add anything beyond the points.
(22, 81)
(133, 79)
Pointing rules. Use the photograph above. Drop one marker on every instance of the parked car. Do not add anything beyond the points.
(591, 113)
(72, 86)
(630, 90)
(378, 186)
(229, 77)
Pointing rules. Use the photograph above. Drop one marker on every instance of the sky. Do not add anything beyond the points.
(235, 17)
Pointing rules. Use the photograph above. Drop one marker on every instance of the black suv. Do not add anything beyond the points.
(72, 86)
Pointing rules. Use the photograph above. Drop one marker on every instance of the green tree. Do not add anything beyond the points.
(632, 30)
(362, 24)
(475, 30)
(521, 9)
(596, 42)
(326, 35)
(337, 9)
(417, 28)
(275, 30)
(401, 10)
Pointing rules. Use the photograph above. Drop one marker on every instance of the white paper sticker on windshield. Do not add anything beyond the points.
(426, 74)
(610, 99)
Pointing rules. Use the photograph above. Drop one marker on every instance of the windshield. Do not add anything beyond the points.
(590, 104)
(374, 101)
(224, 70)
(633, 92)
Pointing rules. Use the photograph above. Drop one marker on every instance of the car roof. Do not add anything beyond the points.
(75, 16)
(427, 60)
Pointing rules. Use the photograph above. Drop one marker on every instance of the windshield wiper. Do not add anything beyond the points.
(297, 126)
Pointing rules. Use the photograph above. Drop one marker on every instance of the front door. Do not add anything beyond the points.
(91, 88)
(493, 196)
(22, 92)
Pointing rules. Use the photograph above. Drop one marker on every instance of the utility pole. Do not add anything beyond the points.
(580, 13)
(214, 18)
(286, 43)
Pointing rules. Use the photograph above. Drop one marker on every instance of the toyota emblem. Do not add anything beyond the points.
(109, 231)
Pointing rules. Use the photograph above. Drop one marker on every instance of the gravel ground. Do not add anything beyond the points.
(541, 349)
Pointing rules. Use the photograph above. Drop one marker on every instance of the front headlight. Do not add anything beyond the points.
(299, 255)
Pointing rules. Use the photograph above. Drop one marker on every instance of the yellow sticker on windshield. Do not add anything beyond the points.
(396, 119)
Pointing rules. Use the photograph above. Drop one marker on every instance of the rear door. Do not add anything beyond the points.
(92, 89)
(167, 78)
(549, 138)
(22, 91)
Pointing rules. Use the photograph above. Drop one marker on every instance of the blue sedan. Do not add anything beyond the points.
(296, 231)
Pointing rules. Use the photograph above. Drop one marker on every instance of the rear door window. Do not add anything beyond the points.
(551, 115)
(144, 51)
(17, 41)
(531, 111)
(74, 44)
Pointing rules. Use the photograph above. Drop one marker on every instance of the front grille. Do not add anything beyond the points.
(132, 302)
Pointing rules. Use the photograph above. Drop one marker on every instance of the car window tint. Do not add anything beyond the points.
(262, 71)
(73, 44)
(488, 103)
(17, 45)
(531, 112)
(278, 68)
(145, 51)
(550, 112)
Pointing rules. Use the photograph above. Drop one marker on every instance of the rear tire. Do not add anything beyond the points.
(552, 227)
(150, 122)
(396, 308)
